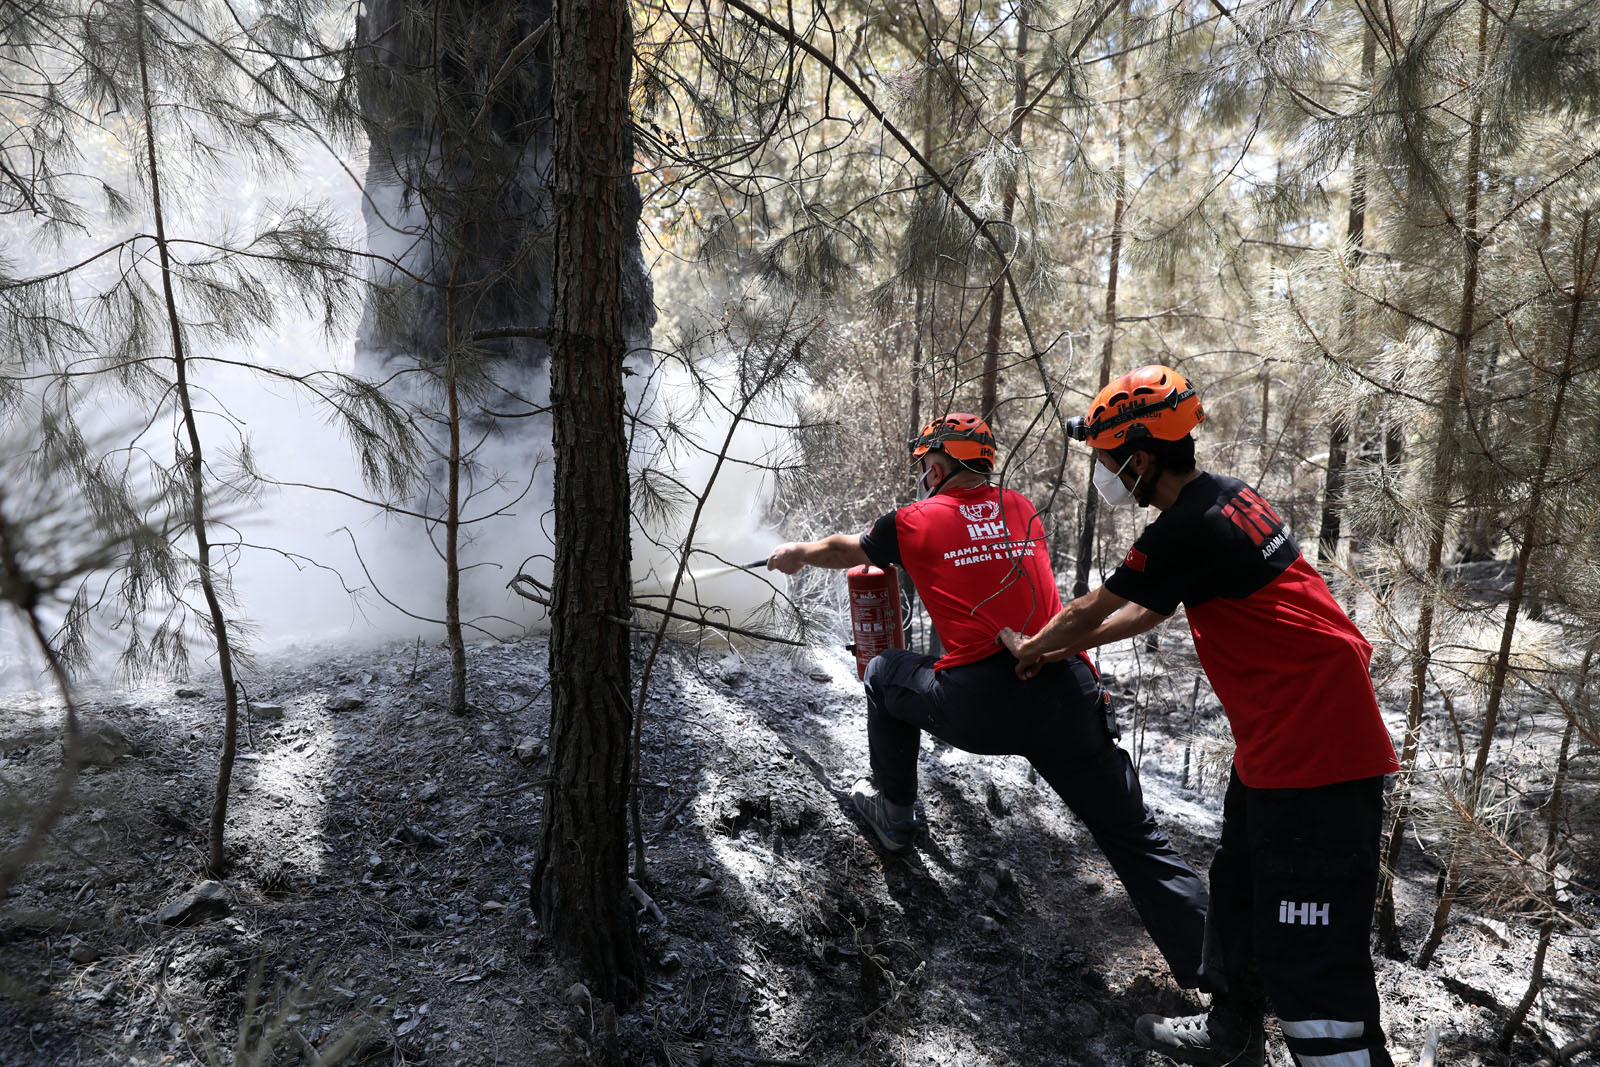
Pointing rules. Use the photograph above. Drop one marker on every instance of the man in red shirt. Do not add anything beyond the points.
(977, 555)
(1295, 874)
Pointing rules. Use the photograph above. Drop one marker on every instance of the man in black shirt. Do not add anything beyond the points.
(1295, 872)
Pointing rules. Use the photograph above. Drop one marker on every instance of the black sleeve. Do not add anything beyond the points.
(1162, 567)
(882, 542)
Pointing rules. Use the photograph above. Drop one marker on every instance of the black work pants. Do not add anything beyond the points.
(1292, 889)
(1056, 720)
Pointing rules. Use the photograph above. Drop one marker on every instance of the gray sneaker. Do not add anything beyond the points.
(894, 824)
(1223, 1037)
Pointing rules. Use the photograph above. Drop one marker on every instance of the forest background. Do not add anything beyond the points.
(615, 253)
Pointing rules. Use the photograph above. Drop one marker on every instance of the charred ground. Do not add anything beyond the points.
(381, 851)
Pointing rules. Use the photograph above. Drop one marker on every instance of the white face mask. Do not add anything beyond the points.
(1109, 482)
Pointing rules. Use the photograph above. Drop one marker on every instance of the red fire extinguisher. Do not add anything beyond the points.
(874, 613)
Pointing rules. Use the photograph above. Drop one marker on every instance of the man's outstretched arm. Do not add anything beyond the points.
(1094, 619)
(834, 552)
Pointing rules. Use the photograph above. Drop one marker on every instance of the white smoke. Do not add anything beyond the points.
(302, 551)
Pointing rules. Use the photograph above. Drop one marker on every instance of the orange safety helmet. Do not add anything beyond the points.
(1153, 401)
(964, 438)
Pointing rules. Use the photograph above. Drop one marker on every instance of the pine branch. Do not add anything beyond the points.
(1568, 172)
(980, 225)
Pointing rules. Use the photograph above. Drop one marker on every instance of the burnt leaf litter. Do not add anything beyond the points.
(377, 904)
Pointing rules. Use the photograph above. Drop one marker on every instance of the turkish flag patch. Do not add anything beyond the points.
(1134, 560)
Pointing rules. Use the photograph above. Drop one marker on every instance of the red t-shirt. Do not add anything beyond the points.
(1289, 666)
(979, 562)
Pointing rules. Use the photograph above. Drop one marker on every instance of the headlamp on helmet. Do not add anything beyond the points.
(1153, 401)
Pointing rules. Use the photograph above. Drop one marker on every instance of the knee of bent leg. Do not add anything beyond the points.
(882, 667)
(879, 670)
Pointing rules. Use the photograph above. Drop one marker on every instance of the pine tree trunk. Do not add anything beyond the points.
(194, 465)
(1086, 528)
(1442, 475)
(1528, 539)
(920, 307)
(921, 311)
(1339, 433)
(454, 639)
(915, 420)
(990, 399)
(1263, 432)
(1444, 469)
(579, 886)
(1333, 498)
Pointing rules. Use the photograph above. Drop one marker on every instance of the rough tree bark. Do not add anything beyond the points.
(989, 400)
(462, 224)
(579, 887)
(457, 178)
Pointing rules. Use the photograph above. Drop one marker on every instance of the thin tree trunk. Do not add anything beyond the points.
(752, 393)
(216, 861)
(1519, 1014)
(1086, 530)
(990, 401)
(579, 885)
(916, 363)
(921, 307)
(1394, 454)
(1333, 497)
(1265, 437)
(1339, 433)
(1529, 540)
(452, 503)
(1479, 531)
(1442, 475)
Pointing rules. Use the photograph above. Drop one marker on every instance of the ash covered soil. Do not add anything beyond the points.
(381, 850)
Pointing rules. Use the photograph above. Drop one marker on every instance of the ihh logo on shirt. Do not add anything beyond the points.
(985, 531)
(982, 511)
(1306, 914)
